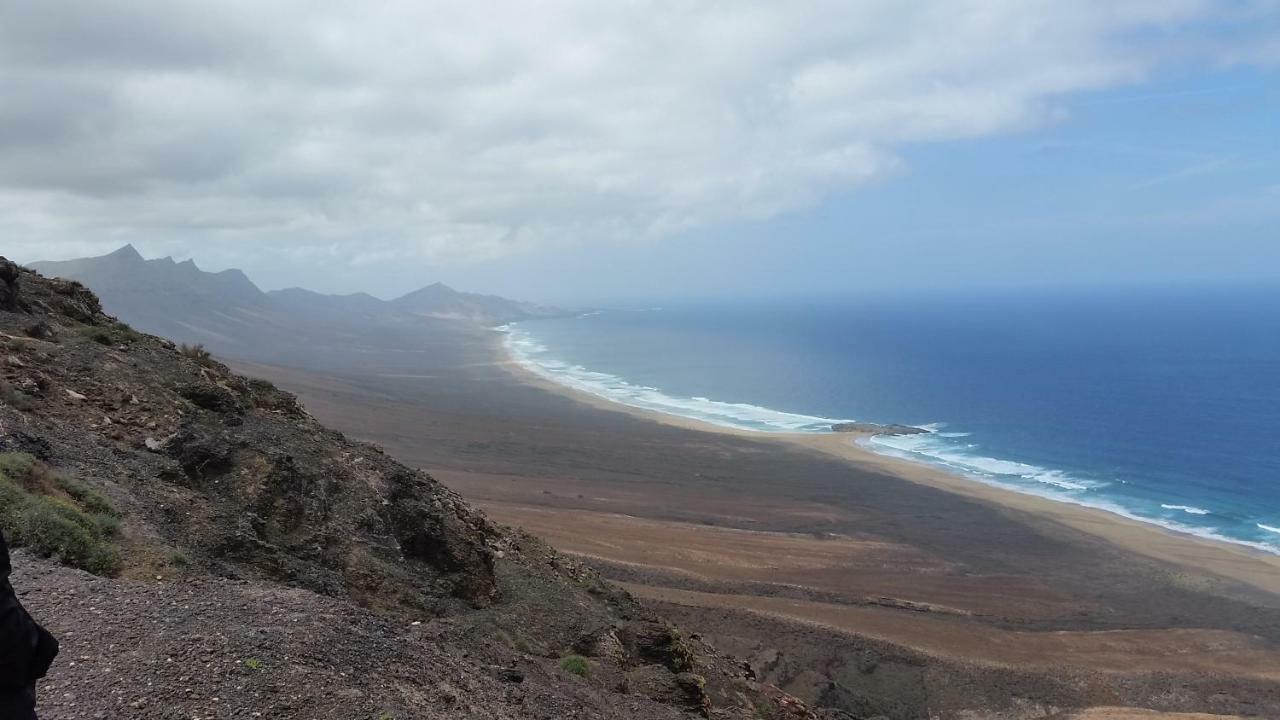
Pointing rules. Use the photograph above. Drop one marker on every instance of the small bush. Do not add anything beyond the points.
(15, 398)
(126, 332)
(196, 352)
(575, 664)
(12, 499)
(19, 345)
(117, 333)
(100, 335)
(108, 524)
(51, 528)
(253, 664)
(57, 517)
(16, 466)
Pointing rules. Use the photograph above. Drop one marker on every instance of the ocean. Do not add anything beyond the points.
(1159, 404)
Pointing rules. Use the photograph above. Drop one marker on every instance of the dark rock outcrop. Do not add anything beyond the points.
(9, 277)
(683, 690)
(207, 396)
(877, 429)
(657, 643)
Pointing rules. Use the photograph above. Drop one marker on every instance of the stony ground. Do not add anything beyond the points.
(213, 648)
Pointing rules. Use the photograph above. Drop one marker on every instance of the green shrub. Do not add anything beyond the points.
(16, 466)
(575, 664)
(126, 332)
(108, 524)
(100, 335)
(54, 516)
(86, 497)
(12, 497)
(114, 334)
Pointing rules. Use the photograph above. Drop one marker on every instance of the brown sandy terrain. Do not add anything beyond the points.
(1117, 651)
(1135, 714)
(861, 571)
(1256, 568)
(867, 584)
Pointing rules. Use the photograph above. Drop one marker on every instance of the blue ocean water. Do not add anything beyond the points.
(1158, 404)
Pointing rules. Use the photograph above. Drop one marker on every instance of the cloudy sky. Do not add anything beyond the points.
(578, 149)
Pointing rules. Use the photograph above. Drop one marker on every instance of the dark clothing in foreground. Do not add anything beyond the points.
(26, 650)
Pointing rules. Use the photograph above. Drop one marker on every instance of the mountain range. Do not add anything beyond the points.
(226, 312)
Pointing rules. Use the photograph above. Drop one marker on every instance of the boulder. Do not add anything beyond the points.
(657, 642)
(682, 690)
(209, 396)
(200, 454)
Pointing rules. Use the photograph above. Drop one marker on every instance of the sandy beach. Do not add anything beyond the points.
(838, 572)
(1253, 567)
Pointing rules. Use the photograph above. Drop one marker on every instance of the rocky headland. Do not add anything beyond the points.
(867, 428)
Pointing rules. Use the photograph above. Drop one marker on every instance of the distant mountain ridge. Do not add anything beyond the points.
(227, 312)
(440, 300)
(125, 271)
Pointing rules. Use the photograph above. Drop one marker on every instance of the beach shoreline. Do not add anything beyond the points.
(1241, 563)
(822, 563)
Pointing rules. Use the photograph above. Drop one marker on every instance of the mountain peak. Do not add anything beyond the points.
(127, 252)
(436, 291)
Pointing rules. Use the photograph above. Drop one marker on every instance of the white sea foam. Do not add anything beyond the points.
(535, 356)
(1189, 509)
(936, 447)
(1049, 484)
(1203, 532)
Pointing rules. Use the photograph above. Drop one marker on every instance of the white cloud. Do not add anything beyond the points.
(450, 131)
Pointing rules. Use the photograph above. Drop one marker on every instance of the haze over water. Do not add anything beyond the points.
(1160, 404)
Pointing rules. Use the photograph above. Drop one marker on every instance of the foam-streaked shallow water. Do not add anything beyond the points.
(1161, 406)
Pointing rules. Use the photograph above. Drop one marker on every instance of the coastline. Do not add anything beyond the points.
(824, 565)
(1252, 567)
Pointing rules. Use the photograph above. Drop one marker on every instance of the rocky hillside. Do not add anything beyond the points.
(264, 566)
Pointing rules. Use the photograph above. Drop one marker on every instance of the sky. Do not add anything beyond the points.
(579, 151)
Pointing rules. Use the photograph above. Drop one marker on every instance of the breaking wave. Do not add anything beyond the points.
(535, 356)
